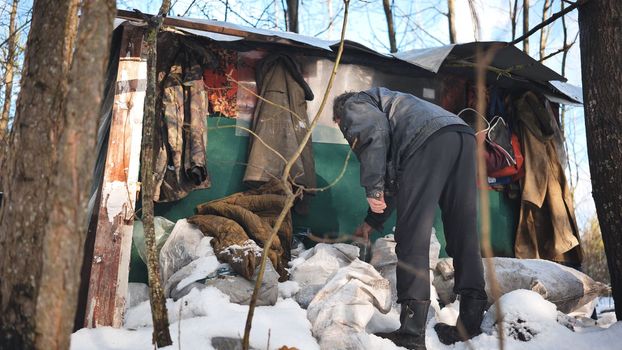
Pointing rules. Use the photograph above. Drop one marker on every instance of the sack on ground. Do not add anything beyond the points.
(565, 287)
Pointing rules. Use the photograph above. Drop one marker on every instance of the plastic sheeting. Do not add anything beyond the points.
(315, 266)
(163, 228)
(185, 244)
(342, 309)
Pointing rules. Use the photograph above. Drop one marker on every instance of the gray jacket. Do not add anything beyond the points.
(388, 127)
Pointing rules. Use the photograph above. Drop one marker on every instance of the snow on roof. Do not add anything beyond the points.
(508, 57)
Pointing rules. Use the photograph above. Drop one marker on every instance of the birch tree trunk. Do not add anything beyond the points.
(544, 32)
(601, 49)
(451, 19)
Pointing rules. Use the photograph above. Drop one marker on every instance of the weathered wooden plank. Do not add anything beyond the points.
(113, 237)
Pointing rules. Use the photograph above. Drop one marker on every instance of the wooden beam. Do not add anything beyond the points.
(212, 28)
(181, 23)
(113, 238)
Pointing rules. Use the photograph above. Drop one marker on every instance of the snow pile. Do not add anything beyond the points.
(525, 315)
(531, 323)
(347, 300)
(200, 316)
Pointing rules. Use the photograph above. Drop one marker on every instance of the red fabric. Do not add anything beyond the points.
(516, 171)
(221, 91)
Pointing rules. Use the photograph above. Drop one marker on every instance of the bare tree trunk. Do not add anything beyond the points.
(513, 12)
(29, 164)
(161, 335)
(526, 25)
(292, 16)
(474, 19)
(544, 32)
(8, 77)
(67, 224)
(563, 123)
(601, 49)
(390, 27)
(451, 19)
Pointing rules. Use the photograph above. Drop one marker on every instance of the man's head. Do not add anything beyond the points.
(339, 105)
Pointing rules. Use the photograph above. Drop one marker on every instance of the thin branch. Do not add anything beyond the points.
(551, 19)
(263, 12)
(483, 61)
(256, 136)
(228, 8)
(330, 23)
(291, 196)
(561, 50)
(341, 173)
(230, 78)
(19, 29)
(189, 7)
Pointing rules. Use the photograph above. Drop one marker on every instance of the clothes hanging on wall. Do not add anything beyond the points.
(181, 112)
(280, 81)
(221, 81)
(547, 226)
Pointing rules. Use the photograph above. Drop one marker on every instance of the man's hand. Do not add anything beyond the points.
(362, 232)
(377, 205)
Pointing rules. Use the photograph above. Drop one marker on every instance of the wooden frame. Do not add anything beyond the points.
(108, 284)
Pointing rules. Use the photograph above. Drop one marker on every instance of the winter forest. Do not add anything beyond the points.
(290, 174)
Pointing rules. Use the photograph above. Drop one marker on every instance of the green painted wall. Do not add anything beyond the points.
(334, 212)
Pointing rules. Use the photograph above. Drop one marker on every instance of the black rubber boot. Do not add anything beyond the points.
(470, 320)
(413, 318)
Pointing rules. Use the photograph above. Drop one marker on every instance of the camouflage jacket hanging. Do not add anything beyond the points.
(181, 129)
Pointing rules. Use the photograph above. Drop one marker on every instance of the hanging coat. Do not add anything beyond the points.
(547, 227)
(279, 80)
(181, 130)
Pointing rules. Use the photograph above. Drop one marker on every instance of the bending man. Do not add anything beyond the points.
(413, 156)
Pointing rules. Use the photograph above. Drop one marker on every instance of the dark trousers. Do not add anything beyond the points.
(442, 171)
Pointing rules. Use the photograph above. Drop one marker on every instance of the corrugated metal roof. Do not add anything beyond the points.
(508, 58)
(575, 93)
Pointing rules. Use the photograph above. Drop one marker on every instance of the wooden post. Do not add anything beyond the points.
(113, 237)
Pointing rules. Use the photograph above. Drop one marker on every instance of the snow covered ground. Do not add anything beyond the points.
(342, 298)
(205, 314)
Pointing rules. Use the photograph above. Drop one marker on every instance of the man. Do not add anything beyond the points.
(415, 155)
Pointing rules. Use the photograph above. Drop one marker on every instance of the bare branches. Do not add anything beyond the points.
(390, 26)
(483, 60)
(188, 8)
(551, 19)
(563, 49)
(291, 195)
